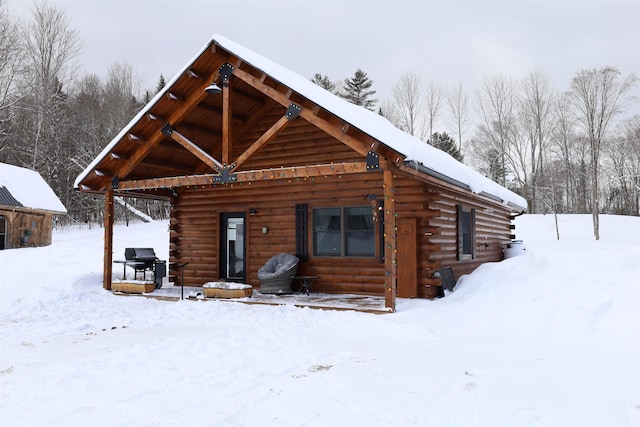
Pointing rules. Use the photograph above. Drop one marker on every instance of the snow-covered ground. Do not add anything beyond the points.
(551, 338)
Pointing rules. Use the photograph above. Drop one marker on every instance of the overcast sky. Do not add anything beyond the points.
(443, 41)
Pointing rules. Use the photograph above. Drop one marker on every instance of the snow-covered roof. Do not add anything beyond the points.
(415, 150)
(29, 189)
(417, 153)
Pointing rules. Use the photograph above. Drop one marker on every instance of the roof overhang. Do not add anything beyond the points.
(435, 174)
(344, 121)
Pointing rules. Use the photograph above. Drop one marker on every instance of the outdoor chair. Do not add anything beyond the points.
(277, 274)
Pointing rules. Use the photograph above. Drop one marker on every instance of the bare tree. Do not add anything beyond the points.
(563, 145)
(535, 114)
(496, 102)
(406, 105)
(622, 167)
(121, 91)
(434, 98)
(11, 57)
(12, 68)
(599, 95)
(458, 100)
(51, 48)
(88, 136)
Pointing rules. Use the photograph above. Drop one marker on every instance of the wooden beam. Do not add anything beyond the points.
(390, 231)
(265, 138)
(191, 147)
(108, 238)
(135, 138)
(293, 172)
(240, 124)
(196, 96)
(226, 123)
(302, 172)
(307, 114)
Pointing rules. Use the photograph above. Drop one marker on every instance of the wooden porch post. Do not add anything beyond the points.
(390, 250)
(108, 237)
(226, 124)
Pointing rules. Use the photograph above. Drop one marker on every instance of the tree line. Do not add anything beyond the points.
(571, 151)
(54, 120)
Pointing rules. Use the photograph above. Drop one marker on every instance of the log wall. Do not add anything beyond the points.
(195, 234)
(492, 232)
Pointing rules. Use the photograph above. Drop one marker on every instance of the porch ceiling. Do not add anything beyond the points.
(248, 112)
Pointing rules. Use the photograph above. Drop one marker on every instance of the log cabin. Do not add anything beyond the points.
(27, 208)
(257, 160)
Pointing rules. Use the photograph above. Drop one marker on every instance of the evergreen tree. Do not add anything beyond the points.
(444, 142)
(357, 90)
(161, 83)
(324, 82)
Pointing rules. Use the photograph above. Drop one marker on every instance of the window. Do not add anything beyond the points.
(343, 232)
(466, 233)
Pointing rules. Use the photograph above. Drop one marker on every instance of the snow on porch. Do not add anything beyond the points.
(323, 301)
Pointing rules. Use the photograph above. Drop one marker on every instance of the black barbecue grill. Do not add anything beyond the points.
(143, 260)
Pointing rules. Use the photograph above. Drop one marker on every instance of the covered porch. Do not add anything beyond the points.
(322, 301)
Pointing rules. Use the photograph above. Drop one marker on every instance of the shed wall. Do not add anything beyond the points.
(27, 228)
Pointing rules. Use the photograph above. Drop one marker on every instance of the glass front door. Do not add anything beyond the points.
(232, 254)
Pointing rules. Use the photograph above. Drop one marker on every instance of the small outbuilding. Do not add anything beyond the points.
(27, 208)
(257, 160)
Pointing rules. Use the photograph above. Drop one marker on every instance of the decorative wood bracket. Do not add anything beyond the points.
(226, 176)
(225, 72)
(167, 129)
(293, 111)
(373, 161)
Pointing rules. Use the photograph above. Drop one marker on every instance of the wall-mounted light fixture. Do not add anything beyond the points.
(265, 229)
(224, 72)
(213, 89)
(253, 211)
